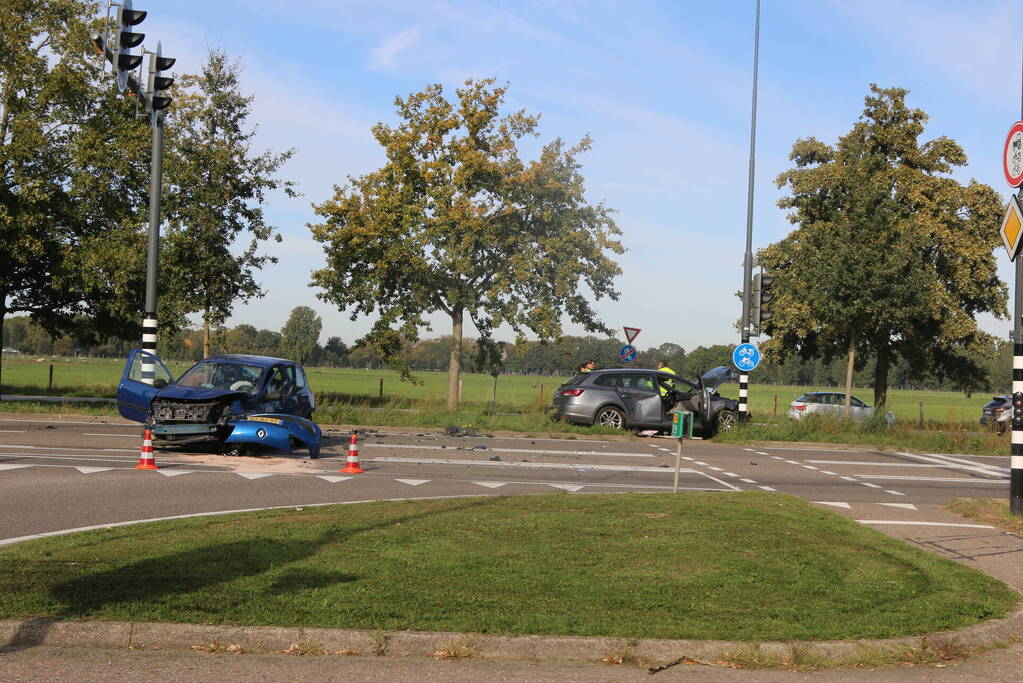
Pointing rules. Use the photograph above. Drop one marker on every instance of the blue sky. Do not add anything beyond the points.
(663, 88)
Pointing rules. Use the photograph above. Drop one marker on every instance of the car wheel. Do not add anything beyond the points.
(724, 420)
(610, 417)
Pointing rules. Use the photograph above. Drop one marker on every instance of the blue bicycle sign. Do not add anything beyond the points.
(627, 354)
(746, 357)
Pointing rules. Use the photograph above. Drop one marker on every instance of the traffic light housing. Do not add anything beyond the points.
(157, 83)
(121, 44)
(1017, 410)
(760, 298)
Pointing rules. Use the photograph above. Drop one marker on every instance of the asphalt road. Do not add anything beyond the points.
(72, 473)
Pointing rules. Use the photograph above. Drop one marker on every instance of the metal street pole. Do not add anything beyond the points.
(1016, 457)
(152, 262)
(747, 269)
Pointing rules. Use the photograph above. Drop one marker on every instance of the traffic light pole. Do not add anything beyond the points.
(747, 265)
(153, 258)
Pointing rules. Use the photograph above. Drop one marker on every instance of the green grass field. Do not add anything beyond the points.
(99, 377)
(742, 566)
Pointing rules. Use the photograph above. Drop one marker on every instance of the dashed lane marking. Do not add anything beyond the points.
(13, 467)
(867, 483)
(126, 436)
(254, 475)
(747, 481)
(810, 467)
(332, 480)
(93, 470)
(894, 493)
(491, 484)
(413, 482)
(488, 449)
(905, 506)
(768, 488)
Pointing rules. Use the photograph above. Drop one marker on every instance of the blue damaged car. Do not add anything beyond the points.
(230, 401)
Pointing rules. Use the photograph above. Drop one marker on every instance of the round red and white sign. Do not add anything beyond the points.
(1012, 155)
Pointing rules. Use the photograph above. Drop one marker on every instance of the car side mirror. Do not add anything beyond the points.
(273, 396)
(159, 383)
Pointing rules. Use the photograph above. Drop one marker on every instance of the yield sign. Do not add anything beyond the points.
(631, 333)
(1012, 227)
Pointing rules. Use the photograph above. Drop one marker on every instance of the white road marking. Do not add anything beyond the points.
(833, 474)
(174, 473)
(905, 506)
(768, 488)
(959, 463)
(491, 484)
(413, 482)
(533, 465)
(777, 457)
(74, 422)
(811, 450)
(792, 462)
(866, 483)
(837, 505)
(91, 470)
(488, 449)
(332, 480)
(894, 493)
(715, 469)
(12, 431)
(731, 474)
(952, 480)
(567, 487)
(759, 453)
(852, 479)
(94, 458)
(73, 450)
(686, 457)
(747, 481)
(254, 475)
(810, 467)
(880, 521)
(13, 467)
(703, 464)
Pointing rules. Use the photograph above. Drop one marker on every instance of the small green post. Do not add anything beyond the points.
(681, 429)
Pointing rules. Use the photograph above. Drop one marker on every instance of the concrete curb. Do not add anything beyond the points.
(270, 639)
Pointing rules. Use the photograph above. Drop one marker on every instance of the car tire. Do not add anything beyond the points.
(610, 417)
(725, 420)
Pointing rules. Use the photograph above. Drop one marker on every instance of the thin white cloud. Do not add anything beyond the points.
(388, 54)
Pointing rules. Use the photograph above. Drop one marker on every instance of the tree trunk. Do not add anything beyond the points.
(881, 377)
(455, 364)
(205, 338)
(849, 374)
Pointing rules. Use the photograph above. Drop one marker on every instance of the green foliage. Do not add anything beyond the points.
(300, 334)
(892, 257)
(213, 201)
(457, 222)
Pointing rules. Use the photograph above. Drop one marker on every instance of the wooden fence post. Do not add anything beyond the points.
(921, 414)
(49, 386)
(381, 387)
(776, 405)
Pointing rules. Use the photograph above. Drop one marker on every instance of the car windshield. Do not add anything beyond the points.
(222, 375)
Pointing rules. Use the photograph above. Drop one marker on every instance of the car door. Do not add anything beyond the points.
(279, 396)
(859, 410)
(303, 393)
(133, 394)
(641, 398)
(692, 398)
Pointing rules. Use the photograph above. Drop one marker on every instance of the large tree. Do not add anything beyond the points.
(300, 336)
(892, 257)
(456, 222)
(70, 154)
(216, 187)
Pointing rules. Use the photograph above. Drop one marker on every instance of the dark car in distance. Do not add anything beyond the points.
(643, 399)
(994, 410)
(211, 399)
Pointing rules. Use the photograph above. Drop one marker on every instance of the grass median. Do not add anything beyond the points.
(742, 566)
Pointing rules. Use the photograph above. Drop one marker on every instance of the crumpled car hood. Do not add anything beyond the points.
(195, 393)
(715, 377)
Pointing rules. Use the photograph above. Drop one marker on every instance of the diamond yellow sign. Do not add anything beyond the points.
(1012, 227)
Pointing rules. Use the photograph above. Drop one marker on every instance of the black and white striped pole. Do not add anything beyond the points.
(1012, 234)
(747, 266)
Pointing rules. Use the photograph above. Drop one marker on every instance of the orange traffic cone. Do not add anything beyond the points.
(352, 466)
(146, 460)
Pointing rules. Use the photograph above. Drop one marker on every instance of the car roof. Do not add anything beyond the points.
(262, 361)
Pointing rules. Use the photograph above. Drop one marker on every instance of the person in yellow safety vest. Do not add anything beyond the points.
(662, 366)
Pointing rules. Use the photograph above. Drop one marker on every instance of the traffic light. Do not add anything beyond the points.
(1017, 410)
(123, 60)
(760, 297)
(158, 83)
